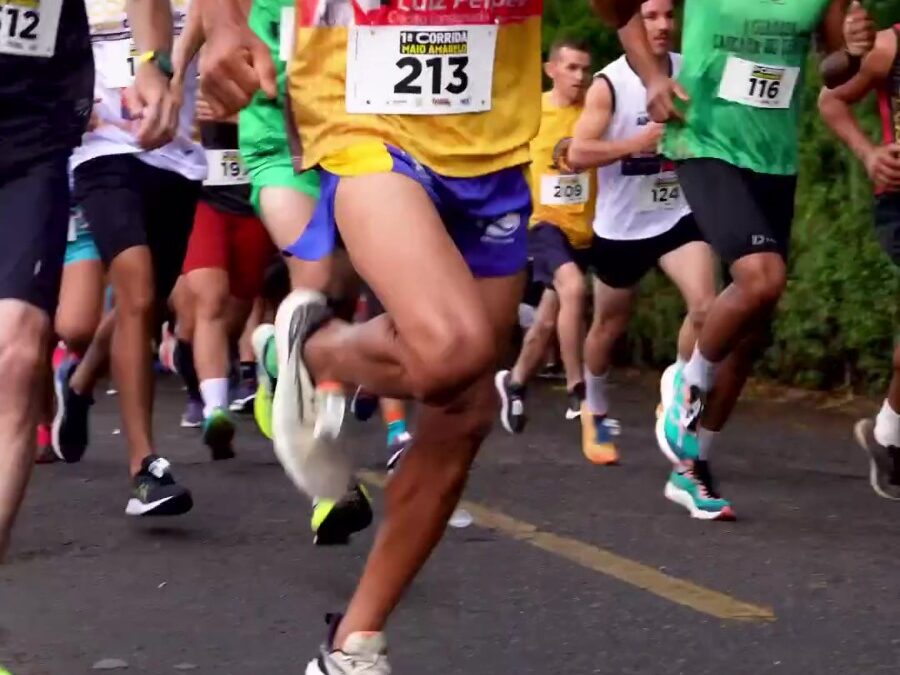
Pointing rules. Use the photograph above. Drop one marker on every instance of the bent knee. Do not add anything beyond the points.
(452, 361)
(23, 351)
(572, 290)
(762, 280)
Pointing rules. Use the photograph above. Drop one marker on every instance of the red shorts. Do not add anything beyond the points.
(239, 245)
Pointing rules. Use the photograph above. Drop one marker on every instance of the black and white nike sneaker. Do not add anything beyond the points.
(154, 491)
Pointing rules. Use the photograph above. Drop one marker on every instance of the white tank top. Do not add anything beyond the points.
(115, 60)
(638, 197)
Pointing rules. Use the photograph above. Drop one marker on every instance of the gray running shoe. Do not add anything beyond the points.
(884, 462)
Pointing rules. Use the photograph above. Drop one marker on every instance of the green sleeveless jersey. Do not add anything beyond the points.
(743, 69)
(262, 128)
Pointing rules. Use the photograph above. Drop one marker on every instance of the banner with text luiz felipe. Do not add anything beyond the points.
(415, 12)
(473, 67)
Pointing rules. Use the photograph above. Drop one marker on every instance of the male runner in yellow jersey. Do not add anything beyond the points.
(559, 237)
(419, 122)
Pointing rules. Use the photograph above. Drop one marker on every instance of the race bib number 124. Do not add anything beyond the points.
(420, 70)
(29, 27)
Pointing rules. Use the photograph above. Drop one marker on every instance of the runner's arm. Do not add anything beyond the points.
(235, 63)
(662, 90)
(188, 44)
(835, 105)
(616, 12)
(589, 149)
(151, 24)
(633, 37)
(845, 38)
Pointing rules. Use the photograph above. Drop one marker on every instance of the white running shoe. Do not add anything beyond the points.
(306, 422)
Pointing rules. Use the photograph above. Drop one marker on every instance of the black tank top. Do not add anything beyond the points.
(45, 103)
(234, 199)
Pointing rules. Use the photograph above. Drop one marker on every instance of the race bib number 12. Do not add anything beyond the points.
(420, 70)
(757, 85)
(29, 27)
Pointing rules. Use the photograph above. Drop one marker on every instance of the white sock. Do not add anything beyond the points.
(214, 393)
(680, 362)
(595, 392)
(887, 426)
(706, 437)
(699, 372)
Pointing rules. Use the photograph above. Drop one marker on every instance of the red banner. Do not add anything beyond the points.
(415, 12)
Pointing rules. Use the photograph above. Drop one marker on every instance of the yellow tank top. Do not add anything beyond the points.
(561, 199)
(455, 83)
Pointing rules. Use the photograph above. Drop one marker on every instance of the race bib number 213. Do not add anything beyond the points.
(420, 70)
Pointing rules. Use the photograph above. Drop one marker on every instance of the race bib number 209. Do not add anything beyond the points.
(29, 27)
(420, 70)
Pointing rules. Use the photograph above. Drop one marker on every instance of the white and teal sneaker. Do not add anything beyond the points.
(691, 486)
(677, 419)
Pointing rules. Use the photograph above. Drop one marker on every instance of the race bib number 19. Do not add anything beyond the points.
(29, 27)
(420, 70)
(564, 190)
(225, 167)
(757, 85)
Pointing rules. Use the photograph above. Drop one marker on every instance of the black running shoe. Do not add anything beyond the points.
(363, 405)
(512, 402)
(575, 397)
(154, 491)
(333, 523)
(70, 424)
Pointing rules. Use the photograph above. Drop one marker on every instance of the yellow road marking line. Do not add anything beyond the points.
(679, 591)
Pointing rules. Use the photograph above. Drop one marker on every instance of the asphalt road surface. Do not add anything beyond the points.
(568, 568)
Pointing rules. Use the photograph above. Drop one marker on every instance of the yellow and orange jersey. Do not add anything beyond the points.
(454, 83)
(561, 198)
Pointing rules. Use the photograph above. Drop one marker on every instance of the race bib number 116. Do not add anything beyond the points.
(420, 70)
(757, 85)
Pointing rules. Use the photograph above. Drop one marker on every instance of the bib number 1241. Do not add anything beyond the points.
(420, 70)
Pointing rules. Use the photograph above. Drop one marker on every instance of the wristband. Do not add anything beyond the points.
(160, 59)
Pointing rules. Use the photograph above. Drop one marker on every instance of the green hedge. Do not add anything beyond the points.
(837, 322)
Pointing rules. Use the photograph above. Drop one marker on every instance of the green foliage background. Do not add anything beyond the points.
(837, 322)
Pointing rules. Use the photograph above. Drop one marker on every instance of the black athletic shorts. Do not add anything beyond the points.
(34, 221)
(887, 224)
(739, 212)
(130, 203)
(549, 249)
(622, 263)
